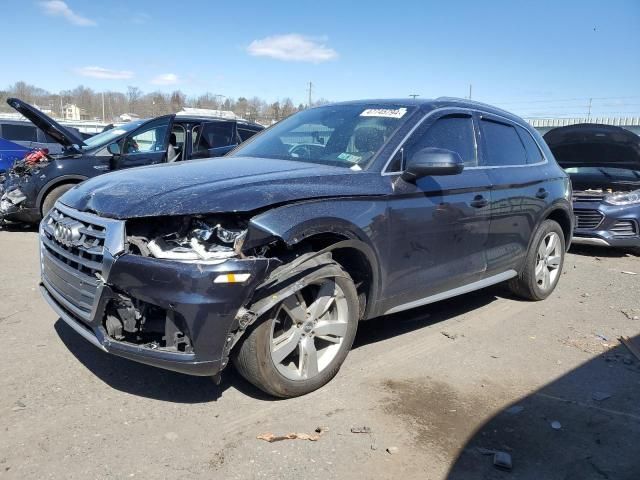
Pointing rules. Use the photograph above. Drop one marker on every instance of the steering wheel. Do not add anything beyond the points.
(301, 151)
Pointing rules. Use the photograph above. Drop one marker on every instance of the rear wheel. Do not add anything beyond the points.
(543, 264)
(302, 342)
(53, 196)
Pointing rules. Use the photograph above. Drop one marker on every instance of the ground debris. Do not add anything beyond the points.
(514, 410)
(628, 273)
(392, 450)
(313, 437)
(485, 451)
(450, 336)
(502, 460)
(556, 425)
(631, 314)
(360, 430)
(600, 396)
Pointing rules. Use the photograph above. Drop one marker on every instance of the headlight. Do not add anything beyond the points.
(629, 198)
(199, 242)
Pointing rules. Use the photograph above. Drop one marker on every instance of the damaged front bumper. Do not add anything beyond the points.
(195, 316)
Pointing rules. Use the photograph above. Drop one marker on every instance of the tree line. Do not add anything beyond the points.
(150, 104)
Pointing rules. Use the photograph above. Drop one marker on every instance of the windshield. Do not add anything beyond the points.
(347, 136)
(105, 138)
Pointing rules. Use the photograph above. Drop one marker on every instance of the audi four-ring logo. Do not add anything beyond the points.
(67, 232)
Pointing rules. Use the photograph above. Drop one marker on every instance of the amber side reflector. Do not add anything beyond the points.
(232, 278)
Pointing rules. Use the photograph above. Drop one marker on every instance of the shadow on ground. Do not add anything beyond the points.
(598, 438)
(151, 382)
(17, 227)
(604, 252)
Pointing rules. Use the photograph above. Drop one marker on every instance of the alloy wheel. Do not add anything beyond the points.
(308, 330)
(548, 261)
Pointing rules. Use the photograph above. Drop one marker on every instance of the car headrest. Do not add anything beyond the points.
(368, 139)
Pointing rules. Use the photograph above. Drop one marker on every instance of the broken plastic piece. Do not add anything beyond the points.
(360, 430)
(502, 460)
(270, 437)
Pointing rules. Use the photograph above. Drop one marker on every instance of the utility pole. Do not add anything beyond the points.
(470, 90)
(414, 95)
(589, 112)
(310, 90)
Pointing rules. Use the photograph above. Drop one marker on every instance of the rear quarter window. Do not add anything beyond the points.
(246, 133)
(534, 155)
(503, 146)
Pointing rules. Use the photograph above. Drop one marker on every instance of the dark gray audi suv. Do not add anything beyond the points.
(272, 255)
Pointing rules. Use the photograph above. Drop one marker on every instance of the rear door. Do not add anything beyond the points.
(147, 145)
(510, 155)
(440, 225)
(214, 139)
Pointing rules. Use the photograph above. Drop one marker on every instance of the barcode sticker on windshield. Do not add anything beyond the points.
(384, 112)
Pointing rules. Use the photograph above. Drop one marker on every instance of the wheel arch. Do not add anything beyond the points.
(563, 216)
(349, 246)
(57, 182)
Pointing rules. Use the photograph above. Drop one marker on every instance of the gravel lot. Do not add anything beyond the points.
(435, 383)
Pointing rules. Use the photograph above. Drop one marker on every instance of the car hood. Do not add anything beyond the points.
(60, 134)
(228, 184)
(594, 145)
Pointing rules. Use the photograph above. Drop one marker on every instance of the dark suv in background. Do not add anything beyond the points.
(272, 255)
(29, 192)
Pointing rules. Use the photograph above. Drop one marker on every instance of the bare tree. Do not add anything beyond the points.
(133, 96)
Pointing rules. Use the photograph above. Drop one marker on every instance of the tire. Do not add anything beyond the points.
(51, 198)
(262, 356)
(540, 274)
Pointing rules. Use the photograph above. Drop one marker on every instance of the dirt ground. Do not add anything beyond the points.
(436, 386)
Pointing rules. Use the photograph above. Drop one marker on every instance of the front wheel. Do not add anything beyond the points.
(53, 196)
(543, 264)
(303, 340)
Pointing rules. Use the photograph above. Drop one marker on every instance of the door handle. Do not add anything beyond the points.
(479, 201)
(542, 193)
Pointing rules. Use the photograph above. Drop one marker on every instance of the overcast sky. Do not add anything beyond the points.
(530, 57)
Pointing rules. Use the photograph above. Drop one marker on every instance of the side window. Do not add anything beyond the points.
(150, 138)
(534, 155)
(503, 145)
(19, 133)
(452, 132)
(216, 134)
(246, 133)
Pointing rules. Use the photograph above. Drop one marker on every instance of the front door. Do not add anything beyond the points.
(146, 145)
(440, 225)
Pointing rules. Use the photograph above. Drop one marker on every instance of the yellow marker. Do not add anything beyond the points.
(232, 278)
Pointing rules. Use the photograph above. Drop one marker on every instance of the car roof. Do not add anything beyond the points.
(16, 122)
(196, 118)
(433, 103)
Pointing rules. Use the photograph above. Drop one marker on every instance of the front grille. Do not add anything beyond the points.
(588, 219)
(588, 196)
(70, 269)
(625, 228)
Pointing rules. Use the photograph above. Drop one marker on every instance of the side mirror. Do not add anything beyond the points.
(114, 149)
(432, 161)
